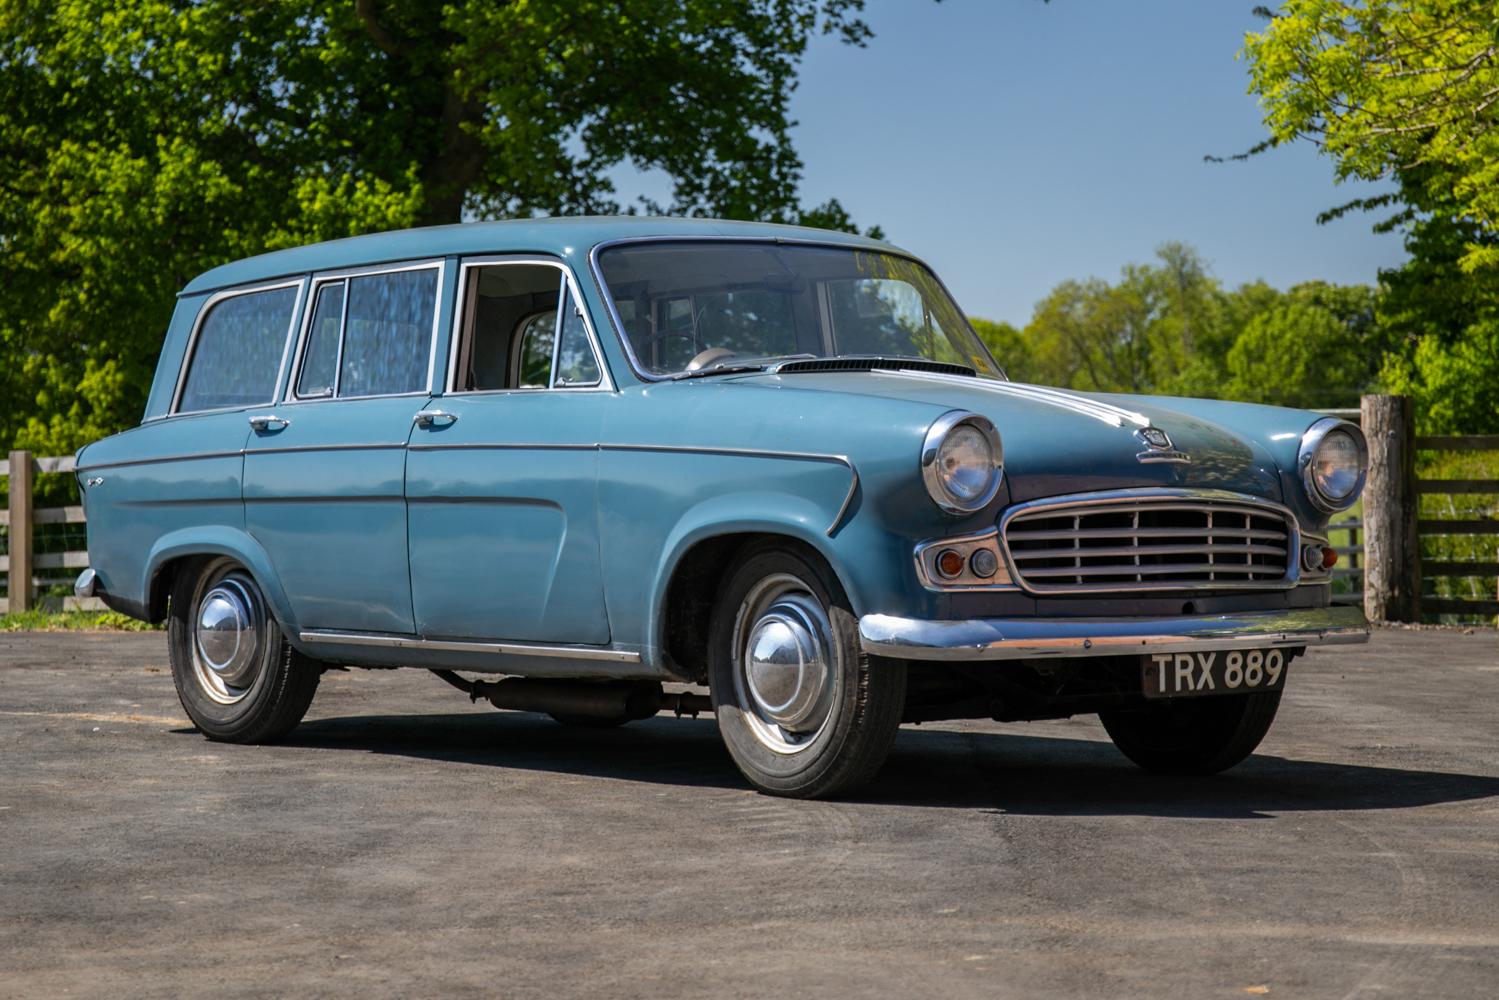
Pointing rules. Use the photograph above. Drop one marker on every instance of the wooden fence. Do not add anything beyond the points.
(1382, 549)
(22, 562)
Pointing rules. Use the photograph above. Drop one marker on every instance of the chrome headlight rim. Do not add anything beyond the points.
(931, 475)
(1306, 456)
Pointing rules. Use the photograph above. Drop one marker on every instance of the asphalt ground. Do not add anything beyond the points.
(406, 843)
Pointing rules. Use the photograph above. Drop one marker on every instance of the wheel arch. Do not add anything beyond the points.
(178, 549)
(700, 554)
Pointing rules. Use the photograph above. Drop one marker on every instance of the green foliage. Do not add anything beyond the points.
(1404, 91)
(1170, 327)
(73, 621)
(141, 143)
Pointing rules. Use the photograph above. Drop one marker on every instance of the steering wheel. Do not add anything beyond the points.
(708, 357)
(642, 344)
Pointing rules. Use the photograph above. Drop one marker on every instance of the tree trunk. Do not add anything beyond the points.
(1392, 551)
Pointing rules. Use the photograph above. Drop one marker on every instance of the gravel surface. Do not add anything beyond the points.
(404, 842)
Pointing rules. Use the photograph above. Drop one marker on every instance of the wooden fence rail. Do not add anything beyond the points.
(22, 561)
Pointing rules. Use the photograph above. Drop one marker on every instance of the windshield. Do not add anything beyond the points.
(692, 306)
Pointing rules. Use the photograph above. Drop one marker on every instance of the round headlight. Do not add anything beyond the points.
(961, 462)
(1334, 460)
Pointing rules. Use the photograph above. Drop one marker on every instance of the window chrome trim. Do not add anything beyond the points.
(208, 306)
(464, 646)
(460, 320)
(289, 396)
(645, 375)
(1307, 451)
(1178, 496)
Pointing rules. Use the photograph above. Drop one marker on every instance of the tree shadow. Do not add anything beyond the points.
(929, 767)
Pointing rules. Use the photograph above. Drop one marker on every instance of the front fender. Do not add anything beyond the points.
(742, 513)
(219, 540)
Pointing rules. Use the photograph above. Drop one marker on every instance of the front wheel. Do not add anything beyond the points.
(1193, 736)
(239, 680)
(803, 711)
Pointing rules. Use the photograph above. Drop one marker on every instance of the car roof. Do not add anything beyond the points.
(563, 237)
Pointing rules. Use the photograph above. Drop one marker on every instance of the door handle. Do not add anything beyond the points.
(434, 418)
(269, 422)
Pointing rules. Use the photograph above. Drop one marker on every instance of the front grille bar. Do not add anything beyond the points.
(1151, 540)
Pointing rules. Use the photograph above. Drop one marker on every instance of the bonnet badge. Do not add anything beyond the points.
(1158, 447)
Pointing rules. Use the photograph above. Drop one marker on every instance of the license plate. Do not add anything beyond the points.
(1235, 671)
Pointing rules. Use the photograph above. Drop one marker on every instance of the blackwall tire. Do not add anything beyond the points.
(238, 678)
(803, 711)
(1193, 736)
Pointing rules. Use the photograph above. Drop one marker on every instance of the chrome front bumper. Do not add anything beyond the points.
(1028, 638)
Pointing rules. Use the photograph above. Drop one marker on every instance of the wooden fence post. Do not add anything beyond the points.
(22, 474)
(1392, 550)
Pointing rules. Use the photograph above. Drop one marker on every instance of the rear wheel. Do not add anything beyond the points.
(239, 680)
(803, 711)
(1193, 736)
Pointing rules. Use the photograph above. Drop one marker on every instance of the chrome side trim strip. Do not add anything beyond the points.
(192, 456)
(806, 456)
(455, 646)
(983, 639)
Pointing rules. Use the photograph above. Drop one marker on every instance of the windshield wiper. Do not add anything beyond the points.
(738, 366)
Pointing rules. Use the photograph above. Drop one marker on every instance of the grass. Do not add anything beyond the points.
(73, 621)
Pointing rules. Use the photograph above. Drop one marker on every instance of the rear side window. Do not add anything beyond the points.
(237, 352)
(370, 335)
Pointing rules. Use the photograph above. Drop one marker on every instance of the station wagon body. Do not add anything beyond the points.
(593, 456)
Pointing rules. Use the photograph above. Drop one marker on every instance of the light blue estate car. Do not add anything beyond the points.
(595, 455)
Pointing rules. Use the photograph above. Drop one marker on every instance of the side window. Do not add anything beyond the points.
(369, 335)
(387, 333)
(237, 353)
(576, 365)
(320, 363)
(535, 341)
(511, 337)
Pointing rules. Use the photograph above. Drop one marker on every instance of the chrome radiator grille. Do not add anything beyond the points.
(1091, 545)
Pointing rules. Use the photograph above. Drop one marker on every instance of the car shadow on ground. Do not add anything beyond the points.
(929, 767)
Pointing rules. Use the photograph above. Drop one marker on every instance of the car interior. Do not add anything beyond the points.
(510, 329)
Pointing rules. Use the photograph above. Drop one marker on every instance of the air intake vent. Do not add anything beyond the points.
(874, 364)
(1078, 545)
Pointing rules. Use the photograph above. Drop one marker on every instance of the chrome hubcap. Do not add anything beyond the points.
(785, 670)
(226, 639)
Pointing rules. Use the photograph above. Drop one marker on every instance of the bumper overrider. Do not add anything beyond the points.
(981, 639)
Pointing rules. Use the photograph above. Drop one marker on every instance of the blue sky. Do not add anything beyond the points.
(1014, 144)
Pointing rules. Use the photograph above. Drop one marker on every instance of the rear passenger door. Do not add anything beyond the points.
(324, 476)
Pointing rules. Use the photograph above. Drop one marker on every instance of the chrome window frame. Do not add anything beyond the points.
(289, 396)
(461, 315)
(208, 306)
(644, 375)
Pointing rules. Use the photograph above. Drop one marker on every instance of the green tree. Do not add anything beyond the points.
(141, 143)
(1007, 345)
(1315, 347)
(1405, 91)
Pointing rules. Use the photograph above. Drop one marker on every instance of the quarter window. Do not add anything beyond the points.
(321, 364)
(237, 353)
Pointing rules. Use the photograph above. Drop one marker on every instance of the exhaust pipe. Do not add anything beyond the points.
(628, 700)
